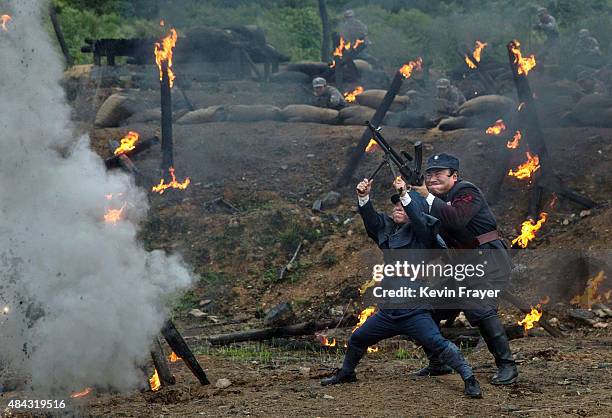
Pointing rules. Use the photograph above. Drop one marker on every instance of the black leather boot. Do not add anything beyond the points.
(340, 377)
(494, 335)
(434, 368)
(472, 387)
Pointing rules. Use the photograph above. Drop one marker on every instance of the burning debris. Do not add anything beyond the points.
(372, 146)
(591, 293)
(128, 143)
(528, 231)
(112, 216)
(476, 54)
(4, 20)
(515, 141)
(363, 316)
(325, 341)
(351, 96)
(154, 382)
(525, 171)
(173, 358)
(82, 393)
(497, 128)
(531, 318)
(343, 47)
(523, 64)
(174, 184)
(407, 69)
(163, 55)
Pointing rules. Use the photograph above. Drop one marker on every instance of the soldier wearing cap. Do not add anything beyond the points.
(590, 83)
(586, 51)
(409, 227)
(547, 24)
(468, 223)
(352, 28)
(448, 97)
(327, 96)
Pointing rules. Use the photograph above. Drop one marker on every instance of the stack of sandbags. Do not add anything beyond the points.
(555, 100)
(481, 112)
(373, 99)
(592, 110)
(231, 113)
(145, 116)
(114, 110)
(363, 66)
(311, 68)
(356, 115)
(306, 113)
(205, 115)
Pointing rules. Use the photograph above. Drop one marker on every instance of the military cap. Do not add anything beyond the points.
(440, 161)
(319, 82)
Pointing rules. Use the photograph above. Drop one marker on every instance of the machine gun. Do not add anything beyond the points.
(412, 175)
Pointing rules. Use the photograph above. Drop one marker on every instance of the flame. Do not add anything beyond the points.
(526, 170)
(173, 358)
(162, 186)
(498, 127)
(365, 314)
(163, 53)
(479, 46)
(352, 96)
(407, 69)
(372, 146)
(4, 19)
(372, 349)
(325, 341)
(154, 382)
(528, 230)
(128, 143)
(112, 216)
(364, 287)
(344, 46)
(515, 140)
(82, 393)
(591, 294)
(531, 318)
(523, 64)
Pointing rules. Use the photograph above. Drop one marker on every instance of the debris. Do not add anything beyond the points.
(205, 302)
(281, 314)
(461, 321)
(289, 265)
(600, 325)
(328, 397)
(305, 371)
(585, 213)
(196, 313)
(330, 200)
(223, 383)
(582, 315)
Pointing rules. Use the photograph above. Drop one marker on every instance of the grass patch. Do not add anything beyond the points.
(255, 352)
(185, 302)
(404, 354)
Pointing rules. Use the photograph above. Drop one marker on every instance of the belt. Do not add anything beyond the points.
(488, 237)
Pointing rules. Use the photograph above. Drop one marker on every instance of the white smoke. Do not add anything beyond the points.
(85, 298)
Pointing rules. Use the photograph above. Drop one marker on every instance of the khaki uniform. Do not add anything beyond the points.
(331, 99)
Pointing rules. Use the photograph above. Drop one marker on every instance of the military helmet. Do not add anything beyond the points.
(583, 33)
(541, 10)
(349, 13)
(443, 83)
(319, 82)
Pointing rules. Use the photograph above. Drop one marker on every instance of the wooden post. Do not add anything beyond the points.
(326, 34)
(179, 346)
(161, 364)
(60, 35)
(167, 146)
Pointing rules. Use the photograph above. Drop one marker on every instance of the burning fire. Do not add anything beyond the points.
(476, 54)
(154, 382)
(325, 341)
(162, 186)
(523, 64)
(526, 170)
(407, 69)
(372, 146)
(352, 96)
(344, 46)
(4, 19)
(372, 349)
(82, 393)
(514, 143)
(173, 358)
(498, 127)
(128, 143)
(528, 230)
(364, 287)
(163, 53)
(112, 216)
(531, 318)
(591, 294)
(363, 316)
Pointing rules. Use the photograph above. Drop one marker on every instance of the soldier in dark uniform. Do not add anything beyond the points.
(409, 227)
(327, 96)
(468, 223)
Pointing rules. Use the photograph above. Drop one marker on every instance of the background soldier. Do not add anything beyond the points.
(448, 98)
(327, 96)
(586, 51)
(409, 228)
(352, 28)
(547, 24)
(468, 223)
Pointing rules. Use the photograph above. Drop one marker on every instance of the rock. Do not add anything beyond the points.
(490, 103)
(149, 115)
(585, 213)
(115, 109)
(328, 397)
(452, 123)
(205, 302)
(310, 68)
(554, 321)
(206, 115)
(307, 113)
(295, 77)
(603, 308)
(373, 98)
(331, 199)
(196, 313)
(281, 314)
(600, 325)
(223, 383)
(582, 315)
(317, 205)
(253, 113)
(305, 371)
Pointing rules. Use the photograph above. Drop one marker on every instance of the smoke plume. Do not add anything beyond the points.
(80, 299)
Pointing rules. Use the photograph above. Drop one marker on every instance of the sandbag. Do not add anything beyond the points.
(307, 113)
(373, 98)
(356, 115)
(363, 66)
(246, 113)
(149, 115)
(205, 115)
(115, 109)
(593, 110)
(310, 68)
(491, 103)
(555, 100)
(290, 77)
(452, 123)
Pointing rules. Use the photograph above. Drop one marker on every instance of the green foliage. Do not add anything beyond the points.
(251, 352)
(186, 301)
(296, 32)
(404, 354)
